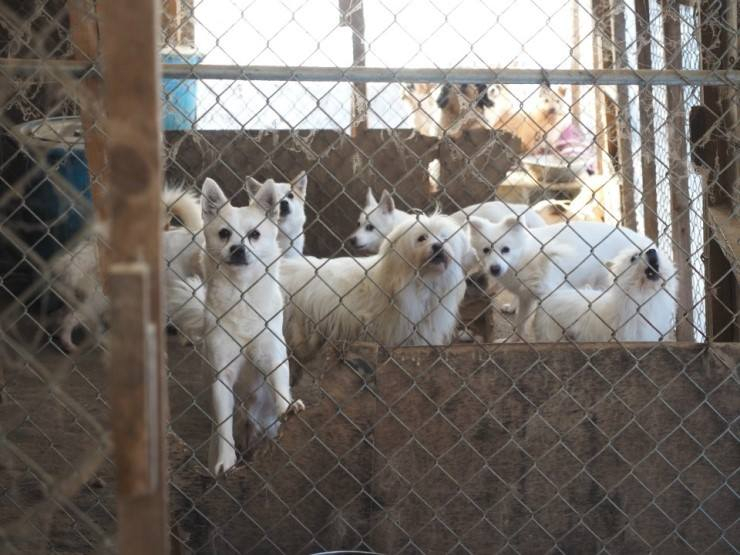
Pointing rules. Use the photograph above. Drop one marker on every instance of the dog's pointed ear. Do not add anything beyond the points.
(266, 196)
(212, 200)
(386, 202)
(253, 186)
(299, 184)
(370, 201)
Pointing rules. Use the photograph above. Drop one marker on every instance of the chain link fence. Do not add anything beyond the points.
(440, 277)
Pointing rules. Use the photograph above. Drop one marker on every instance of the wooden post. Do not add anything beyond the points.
(714, 151)
(84, 34)
(575, 60)
(133, 86)
(647, 123)
(624, 120)
(602, 59)
(678, 172)
(353, 16)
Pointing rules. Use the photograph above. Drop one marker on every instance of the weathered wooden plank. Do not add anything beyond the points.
(678, 171)
(647, 123)
(132, 94)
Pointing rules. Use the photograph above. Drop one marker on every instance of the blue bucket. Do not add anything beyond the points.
(180, 95)
(56, 209)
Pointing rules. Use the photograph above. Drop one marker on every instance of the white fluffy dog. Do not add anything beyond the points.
(377, 219)
(78, 272)
(409, 294)
(639, 305)
(243, 318)
(292, 219)
(534, 262)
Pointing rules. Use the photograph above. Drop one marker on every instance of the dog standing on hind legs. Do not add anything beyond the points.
(244, 319)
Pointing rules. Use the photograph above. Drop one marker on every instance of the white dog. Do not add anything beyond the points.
(639, 305)
(409, 294)
(377, 219)
(78, 275)
(243, 318)
(292, 197)
(533, 262)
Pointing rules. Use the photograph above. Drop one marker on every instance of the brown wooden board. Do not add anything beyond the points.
(505, 447)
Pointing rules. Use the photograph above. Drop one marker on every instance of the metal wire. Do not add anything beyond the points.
(434, 422)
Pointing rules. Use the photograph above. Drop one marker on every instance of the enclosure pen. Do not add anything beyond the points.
(357, 276)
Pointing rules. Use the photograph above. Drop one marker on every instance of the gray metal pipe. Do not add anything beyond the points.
(28, 67)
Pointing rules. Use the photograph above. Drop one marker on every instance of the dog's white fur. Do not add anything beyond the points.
(77, 270)
(534, 262)
(292, 215)
(639, 305)
(402, 296)
(378, 218)
(243, 318)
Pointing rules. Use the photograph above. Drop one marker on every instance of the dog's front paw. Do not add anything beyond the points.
(508, 308)
(296, 407)
(223, 463)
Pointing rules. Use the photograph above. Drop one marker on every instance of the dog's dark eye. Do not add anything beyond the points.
(421, 238)
(253, 235)
(369, 227)
(224, 233)
(504, 250)
(487, 250)
(634, 257)
(289, 195)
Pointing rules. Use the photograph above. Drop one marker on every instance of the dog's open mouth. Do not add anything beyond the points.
(439, 258)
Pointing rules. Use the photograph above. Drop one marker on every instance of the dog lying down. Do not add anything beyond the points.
(77, 270)
(408, 294)
(639, 304)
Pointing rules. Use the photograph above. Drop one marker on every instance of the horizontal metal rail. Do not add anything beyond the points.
(28, 67)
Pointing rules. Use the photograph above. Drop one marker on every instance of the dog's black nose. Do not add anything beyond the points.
(284, 207)
(652, 258)
(495, 269)
(436, 247)
(237, 254)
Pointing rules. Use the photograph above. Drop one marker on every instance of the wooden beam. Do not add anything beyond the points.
(647, 123)
(353, 16)
(624, 120)
(678, 171)
(133, 87)
(83, 26)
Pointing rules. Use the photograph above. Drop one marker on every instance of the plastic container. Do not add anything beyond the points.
(180, 96)
(55, 209)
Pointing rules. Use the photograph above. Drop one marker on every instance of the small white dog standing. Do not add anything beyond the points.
(639, 305)
(409, 294)
(378, 219)
(244, 319)
(292, 202)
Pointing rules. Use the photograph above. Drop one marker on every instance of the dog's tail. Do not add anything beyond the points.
(186, 306)
(183, 208)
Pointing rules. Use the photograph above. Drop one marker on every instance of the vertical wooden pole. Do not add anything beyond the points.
(624, 120)
(353, 16)
(83, 26)
(678, 172)
(647, 123)
(718, 156)
(130, 36)
(575, 60)
(600, 55)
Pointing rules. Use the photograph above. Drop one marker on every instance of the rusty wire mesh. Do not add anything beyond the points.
(476, 438)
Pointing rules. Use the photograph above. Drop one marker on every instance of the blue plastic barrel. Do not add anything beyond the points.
(57, 194)
(180, 95)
